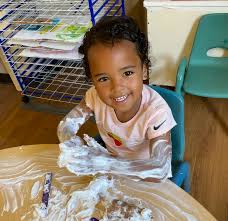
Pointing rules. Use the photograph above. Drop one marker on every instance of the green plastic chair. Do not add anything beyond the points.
(203, 75)
(180, 167)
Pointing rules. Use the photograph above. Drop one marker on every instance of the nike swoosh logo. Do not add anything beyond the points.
(156, 127)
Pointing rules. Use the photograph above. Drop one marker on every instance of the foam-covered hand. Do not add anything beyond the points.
(92, 158)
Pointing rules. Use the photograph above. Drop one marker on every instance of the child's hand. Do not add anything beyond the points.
(93, 158)
(77, 140)
(72, 143)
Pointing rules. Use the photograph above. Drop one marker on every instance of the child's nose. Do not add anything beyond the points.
(117, 84)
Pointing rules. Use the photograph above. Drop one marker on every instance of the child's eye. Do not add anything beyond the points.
(128, 73)
(102, 79)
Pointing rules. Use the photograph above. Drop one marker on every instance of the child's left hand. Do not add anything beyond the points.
(93, 158)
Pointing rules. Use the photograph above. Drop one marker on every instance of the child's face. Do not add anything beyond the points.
(117, 73)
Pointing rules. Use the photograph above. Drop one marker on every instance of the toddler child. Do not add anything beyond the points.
(133, 120)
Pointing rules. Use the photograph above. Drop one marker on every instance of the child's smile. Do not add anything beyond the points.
(117, 73)
(121, 99)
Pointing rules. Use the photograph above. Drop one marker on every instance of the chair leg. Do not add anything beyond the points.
(186, 181)
(182, 176)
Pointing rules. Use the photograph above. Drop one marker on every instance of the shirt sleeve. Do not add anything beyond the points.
(90, 98)
(161, 121)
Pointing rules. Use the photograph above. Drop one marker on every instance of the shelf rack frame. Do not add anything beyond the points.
(50, 78)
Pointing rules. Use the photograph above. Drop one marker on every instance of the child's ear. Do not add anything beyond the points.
(145, 73)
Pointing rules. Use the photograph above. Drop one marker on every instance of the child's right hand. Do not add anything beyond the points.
(73, 142)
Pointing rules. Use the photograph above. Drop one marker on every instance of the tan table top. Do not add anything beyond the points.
(21, 167)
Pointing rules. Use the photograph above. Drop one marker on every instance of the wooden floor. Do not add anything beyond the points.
(206, 129)
(206, 123)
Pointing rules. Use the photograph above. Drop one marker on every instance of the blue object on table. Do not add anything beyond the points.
(204, 75)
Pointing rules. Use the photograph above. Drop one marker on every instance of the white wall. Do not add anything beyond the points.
(171, 30)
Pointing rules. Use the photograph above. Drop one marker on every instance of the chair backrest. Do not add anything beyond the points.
(207, 69)
(176, 103)
(212, 32)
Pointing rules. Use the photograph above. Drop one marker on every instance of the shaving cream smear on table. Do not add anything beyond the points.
(100, 199)
(12, 179)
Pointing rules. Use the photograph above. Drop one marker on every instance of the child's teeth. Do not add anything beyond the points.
(121, 98)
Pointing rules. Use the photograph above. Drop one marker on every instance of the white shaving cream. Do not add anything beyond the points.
(92, 159)
(100, 199)
(71, 198)
(35, 189)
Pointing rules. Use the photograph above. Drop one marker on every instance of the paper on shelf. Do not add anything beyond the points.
(65, 33)
(46, 44)
(54, 54)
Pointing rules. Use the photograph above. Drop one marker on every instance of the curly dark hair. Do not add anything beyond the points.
(113, 29)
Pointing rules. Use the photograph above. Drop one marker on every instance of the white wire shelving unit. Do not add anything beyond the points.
(40, 41)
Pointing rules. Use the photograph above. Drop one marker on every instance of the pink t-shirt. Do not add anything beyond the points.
(153, 119)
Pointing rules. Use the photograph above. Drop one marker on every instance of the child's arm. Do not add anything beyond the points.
(158, 166)
(69, 126)
(93, 159)
(161, 154)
